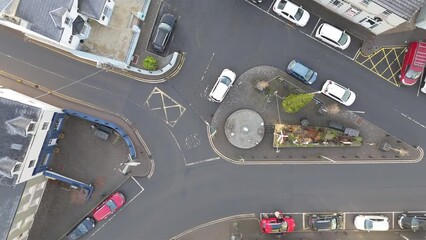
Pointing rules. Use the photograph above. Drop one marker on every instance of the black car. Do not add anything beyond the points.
(164, 31)
(82, 229)
(326, 222)
(416, 222)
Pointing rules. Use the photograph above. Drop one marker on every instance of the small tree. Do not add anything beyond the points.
(150, 63)
(294, 102)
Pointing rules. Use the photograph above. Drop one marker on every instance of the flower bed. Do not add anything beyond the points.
(286, 135)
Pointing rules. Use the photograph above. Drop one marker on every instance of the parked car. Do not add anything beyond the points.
(339, 93)
(276, 223)
(413, 64)
(423, 89)
(346, 130)
(164, 31)
(301, 72)
(222, 86)
(82, 229)
(109, 206)
(292, 12)
(371, 223)
(333, 36)
(326, 222)
(415, 222)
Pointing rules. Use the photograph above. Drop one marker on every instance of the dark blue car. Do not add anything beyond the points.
(301, 72)
(82, 229)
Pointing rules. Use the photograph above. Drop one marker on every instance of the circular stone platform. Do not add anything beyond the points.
(244, 128)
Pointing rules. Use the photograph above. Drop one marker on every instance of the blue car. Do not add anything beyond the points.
(82, 229)
(301, 72)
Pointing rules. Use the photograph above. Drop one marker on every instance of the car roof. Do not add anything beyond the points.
(336, 89)
(331, 32)
(300, 68)
(291, 8)
(219, 91)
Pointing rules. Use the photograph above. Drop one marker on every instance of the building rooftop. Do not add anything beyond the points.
(9, 202)
(91, 8)
(15, 119)
(41, 15)
(403, 8)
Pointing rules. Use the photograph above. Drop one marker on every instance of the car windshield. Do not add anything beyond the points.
(82, 228)
(298, 14)
(309, 75)
(368, 224)
(414, 223)
(281, 5)
(343, 39)
(413, 74)
(111, 204)
(346, 95)
(226, 81)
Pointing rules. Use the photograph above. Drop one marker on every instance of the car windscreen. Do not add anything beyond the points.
(368, 224)
(346, 95)
(298, 14)
(309, 75)
(413, 74)
(226, 81)
(111, 204)
(343, 39)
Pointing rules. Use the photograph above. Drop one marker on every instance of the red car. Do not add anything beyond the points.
(109, 206)
(414, 63)
(276, 223)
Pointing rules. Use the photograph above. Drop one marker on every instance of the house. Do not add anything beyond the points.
(29, 130)
(378, 16)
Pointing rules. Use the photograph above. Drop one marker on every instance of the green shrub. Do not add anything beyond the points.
(150, 63)
(295, 102)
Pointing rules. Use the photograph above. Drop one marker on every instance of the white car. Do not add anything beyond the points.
(222, 86)
(339, 93)
(333, 36)
(292, 12)
(372, 223)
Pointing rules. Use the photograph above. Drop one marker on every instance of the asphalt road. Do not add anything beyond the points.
(190, 186)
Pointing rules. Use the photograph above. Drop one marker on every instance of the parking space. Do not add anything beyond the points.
(386, 63)
(310, 29)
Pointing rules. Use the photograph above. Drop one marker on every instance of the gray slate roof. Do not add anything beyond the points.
(14, 119)
(403, 8)
(39, 14)
(91, 8)
(9, 201)
(4, 4)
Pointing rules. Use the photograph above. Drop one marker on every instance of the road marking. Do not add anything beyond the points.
(208, 66)
(303, 221)
(406, 238)
(115, 214)
(270, 6)
(411, 119)
(393, 220)
(137, 183)
(202, 161)
(152, 169)
(313, 30)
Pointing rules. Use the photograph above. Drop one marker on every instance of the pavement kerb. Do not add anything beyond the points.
(235, 217)
(307, 162)
(86, 104)
(167, 76)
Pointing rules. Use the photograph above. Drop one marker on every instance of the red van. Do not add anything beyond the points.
(414, 63)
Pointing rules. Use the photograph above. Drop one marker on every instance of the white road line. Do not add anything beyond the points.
(393, 220)
(406, 238)
(207, 67)
(411, 119)
(272, 4)
(344, 221)
(137, 183)
(313, 30)
(113, 216)
(152, 169)
(303, 221)
(202, 161)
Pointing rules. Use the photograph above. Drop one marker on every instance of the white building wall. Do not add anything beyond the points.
(363, 14)
(39, 135)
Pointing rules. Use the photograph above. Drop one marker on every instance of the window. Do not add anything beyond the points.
(366, 2)
(45, 125)
(353, 11)
(46, 159)
(17, 167)
(31, 127)
(107, 11)
(336, 3)
(387, 12)
(32, 162)
(68, 21)
(58, 124)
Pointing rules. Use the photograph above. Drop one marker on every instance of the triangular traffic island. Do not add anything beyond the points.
(322, 132)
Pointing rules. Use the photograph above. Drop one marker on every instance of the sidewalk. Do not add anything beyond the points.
(244, 96)
(401, 35)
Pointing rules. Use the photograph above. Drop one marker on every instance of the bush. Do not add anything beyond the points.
(150, 63)
(295, 102)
